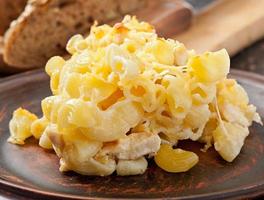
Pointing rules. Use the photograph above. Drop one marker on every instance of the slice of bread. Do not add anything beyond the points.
(9, 11)
(45, 26)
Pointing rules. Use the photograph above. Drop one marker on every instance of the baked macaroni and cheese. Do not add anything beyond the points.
(125, 95)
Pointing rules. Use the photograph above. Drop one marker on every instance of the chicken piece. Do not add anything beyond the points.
(133, 146)
(229, 139)
(77, 153)
(131, 167)
(234, 114)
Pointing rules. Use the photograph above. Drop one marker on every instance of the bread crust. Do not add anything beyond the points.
(10, 10)
(4, 68)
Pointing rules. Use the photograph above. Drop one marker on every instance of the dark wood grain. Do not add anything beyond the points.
(31, 172)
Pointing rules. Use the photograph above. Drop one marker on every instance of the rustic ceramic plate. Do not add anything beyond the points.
(33, 172)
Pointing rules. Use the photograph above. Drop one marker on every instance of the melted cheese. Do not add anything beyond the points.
(124, 90)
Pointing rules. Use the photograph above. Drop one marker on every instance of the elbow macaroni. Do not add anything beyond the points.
(125, 93)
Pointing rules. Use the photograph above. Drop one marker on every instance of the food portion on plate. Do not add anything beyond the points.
(125, 96)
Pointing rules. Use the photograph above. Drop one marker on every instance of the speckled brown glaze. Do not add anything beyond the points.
(30, 172)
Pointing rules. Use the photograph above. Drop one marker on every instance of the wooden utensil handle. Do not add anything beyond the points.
(169, 17)
(230, 24)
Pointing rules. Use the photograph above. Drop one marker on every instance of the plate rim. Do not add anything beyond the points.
(246, 191)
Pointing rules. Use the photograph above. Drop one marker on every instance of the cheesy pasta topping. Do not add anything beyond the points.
(125, 95)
